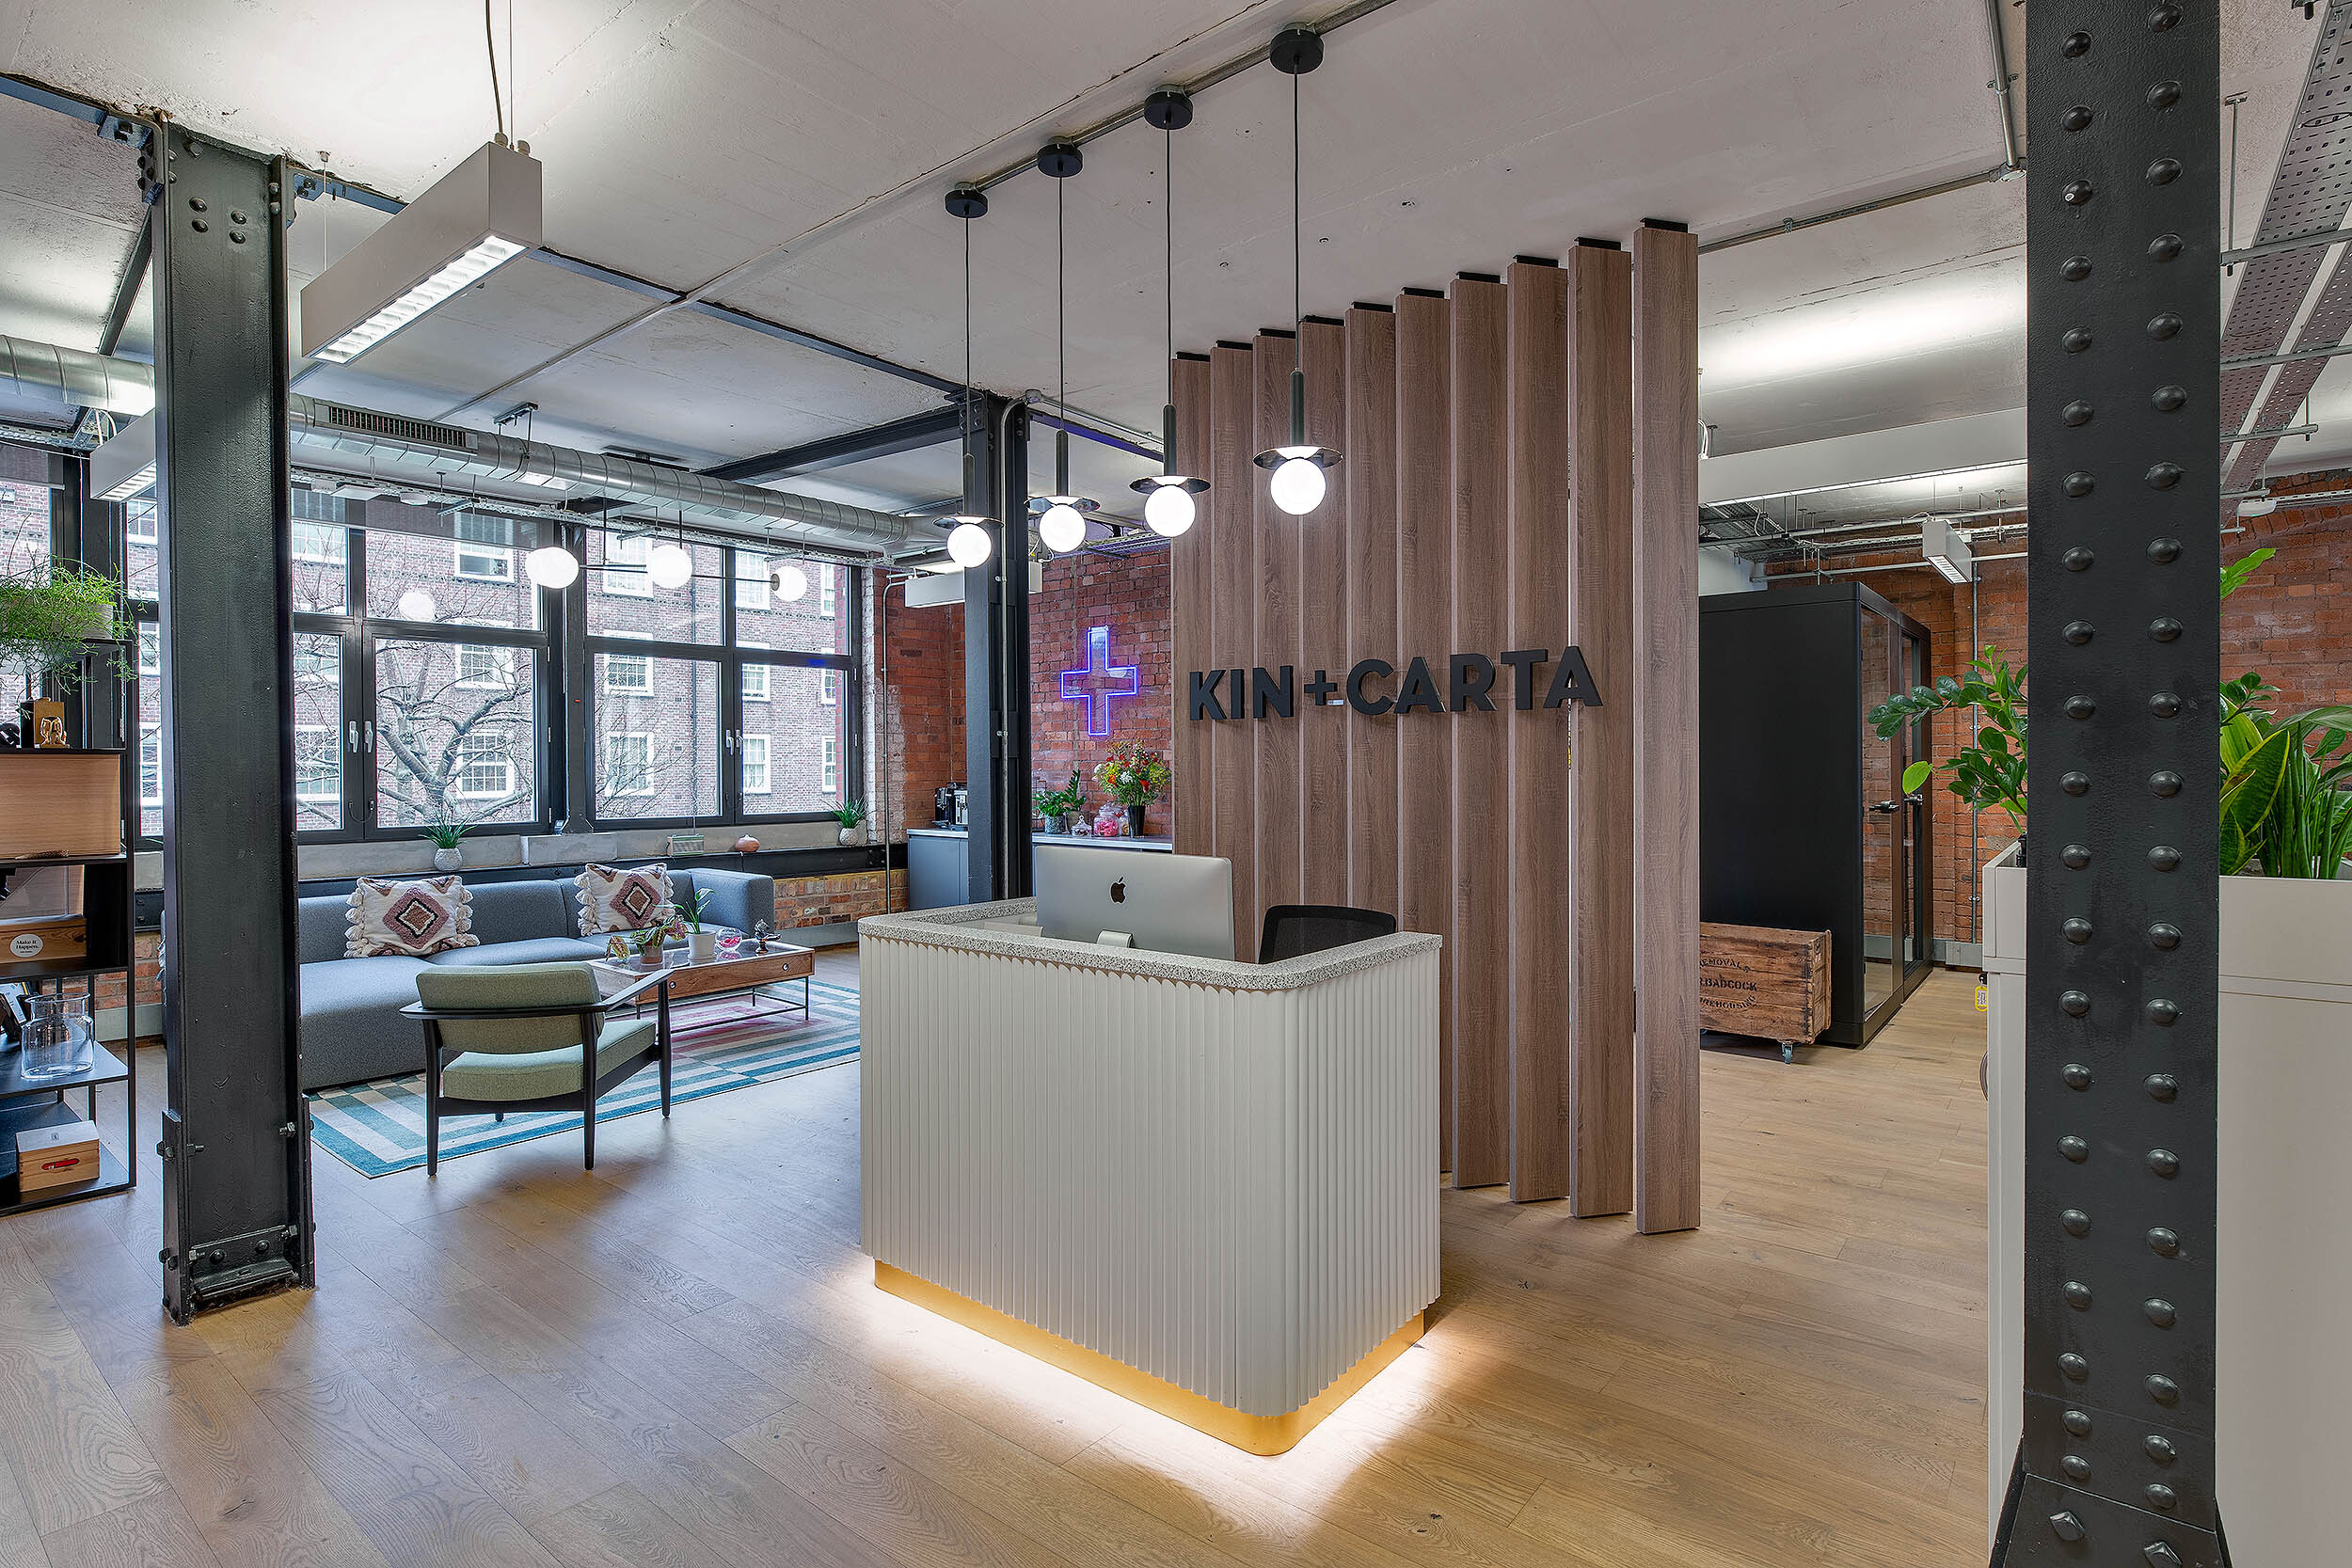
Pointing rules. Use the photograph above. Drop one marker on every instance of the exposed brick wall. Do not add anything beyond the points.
(2291, 622)
(1127, 595)
(824, 900)
(146, 976)
(923, 705)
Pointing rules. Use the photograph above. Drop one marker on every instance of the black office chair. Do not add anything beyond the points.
(1292, 931)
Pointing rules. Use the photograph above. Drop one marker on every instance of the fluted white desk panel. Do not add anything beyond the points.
(1223, 1174)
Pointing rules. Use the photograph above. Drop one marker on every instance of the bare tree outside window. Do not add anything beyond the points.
(453, 738)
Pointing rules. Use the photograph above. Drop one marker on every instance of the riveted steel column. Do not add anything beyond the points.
(235, 1142)
(2123, 899)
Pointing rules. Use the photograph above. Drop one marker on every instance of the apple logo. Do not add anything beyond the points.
(1118, 891)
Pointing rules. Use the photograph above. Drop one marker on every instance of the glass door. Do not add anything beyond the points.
(1884, 823)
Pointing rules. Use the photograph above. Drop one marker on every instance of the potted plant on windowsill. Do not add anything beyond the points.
(1057, 806)
(852, 815)
(1135, 776)
(446, 833)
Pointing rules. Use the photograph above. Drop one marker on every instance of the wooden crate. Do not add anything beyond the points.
(62, 803)
(61, 1155)
(1756, 980)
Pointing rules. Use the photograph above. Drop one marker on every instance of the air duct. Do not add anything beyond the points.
(75, 378)
(397, 452)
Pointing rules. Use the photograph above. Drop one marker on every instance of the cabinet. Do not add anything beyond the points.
(68, 809)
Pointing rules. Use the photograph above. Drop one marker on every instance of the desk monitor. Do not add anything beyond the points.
(1165, 903)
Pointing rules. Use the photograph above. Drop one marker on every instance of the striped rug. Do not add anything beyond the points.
(378, 1128)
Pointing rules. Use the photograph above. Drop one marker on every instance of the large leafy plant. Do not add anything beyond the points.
(1991, 774)
(49, 616)
(2286, 785)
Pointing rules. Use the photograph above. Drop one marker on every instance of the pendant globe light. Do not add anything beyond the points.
(971, 535)
(1297, 485)
(1062, 521)
(1167, 496)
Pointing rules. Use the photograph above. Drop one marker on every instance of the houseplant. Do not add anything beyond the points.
(647, 941)
(1135, 776)
(1056, 806)
(704, 944)
(446, 832)
(849, 814)
(49, 614)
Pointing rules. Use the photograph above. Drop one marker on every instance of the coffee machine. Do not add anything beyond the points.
(951, 806)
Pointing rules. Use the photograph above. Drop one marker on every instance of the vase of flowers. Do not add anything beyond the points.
(1135, 776)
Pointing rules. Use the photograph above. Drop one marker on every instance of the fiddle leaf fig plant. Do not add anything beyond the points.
(1991, 774)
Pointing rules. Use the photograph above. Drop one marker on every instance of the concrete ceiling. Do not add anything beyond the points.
(797, 150)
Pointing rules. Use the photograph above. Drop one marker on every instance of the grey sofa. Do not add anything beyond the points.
(351, 1023)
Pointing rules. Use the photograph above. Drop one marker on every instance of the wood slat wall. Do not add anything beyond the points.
(1278, 544)
(1232, 632)
(1600, 969)
(1480, 949)
(1424, 616)
(1323, 628)
(1193, 748)
(1540, 595)
(1370, 470)
(1452, 527)
(1666, 748)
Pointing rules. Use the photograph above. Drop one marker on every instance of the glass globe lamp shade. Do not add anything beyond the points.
(669, 565)
(969, 545)
(1063, 527)
(552, 566)
(417, 605)
(789, 580)
(1298, 485)
(1168, 510)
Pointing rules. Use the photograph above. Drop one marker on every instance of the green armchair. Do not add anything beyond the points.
(514, 1038)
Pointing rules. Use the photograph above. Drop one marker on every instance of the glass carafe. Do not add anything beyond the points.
(58, 1036)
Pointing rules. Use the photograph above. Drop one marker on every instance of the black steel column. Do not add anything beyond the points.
(235, 1145)
(996, 660)
(2122, 896)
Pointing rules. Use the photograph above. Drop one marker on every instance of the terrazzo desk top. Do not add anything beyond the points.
(967, 927)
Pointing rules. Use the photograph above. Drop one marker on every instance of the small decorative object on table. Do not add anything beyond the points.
(63, 1154)
(1135, 776)
(747, 845)
(1057, 806)
(760, 930)
(446, 832)
(1107, 821)
(49, 725)
(688, 843)
(58, 1036)
(852, 815)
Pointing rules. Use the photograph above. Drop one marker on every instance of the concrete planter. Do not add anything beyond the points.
(2283, 1264)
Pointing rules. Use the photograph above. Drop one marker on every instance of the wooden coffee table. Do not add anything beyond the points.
(747, 972)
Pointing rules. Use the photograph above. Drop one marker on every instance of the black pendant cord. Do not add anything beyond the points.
(1061, 346)
(968, 499)
(1298, 307)
(1167, 257)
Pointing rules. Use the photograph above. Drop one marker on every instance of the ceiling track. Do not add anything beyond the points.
(2283, 301)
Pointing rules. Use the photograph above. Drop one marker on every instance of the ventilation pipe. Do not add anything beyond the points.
(392, 450)
(75, 378)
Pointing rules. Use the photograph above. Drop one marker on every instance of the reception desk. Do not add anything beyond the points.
(1208, 1186)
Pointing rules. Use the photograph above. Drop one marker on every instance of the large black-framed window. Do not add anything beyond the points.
(431, 677)
(734, 697)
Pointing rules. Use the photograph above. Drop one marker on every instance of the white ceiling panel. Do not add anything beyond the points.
(69, 211)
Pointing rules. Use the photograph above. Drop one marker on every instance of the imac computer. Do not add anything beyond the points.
(1161, 903)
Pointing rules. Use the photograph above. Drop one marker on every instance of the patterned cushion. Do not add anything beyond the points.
(392, 918)
(611, 899)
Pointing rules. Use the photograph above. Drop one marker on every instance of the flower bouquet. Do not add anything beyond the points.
(1135, 776)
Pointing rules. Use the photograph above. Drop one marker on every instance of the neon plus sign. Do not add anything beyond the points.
(1098, 681)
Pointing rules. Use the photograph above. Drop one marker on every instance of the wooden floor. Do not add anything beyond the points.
(680, 1360)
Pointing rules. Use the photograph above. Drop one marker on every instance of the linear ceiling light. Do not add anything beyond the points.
(1945, 550)
(478, 217)
(1298, 485)
(1168, 508)
(122, 467)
